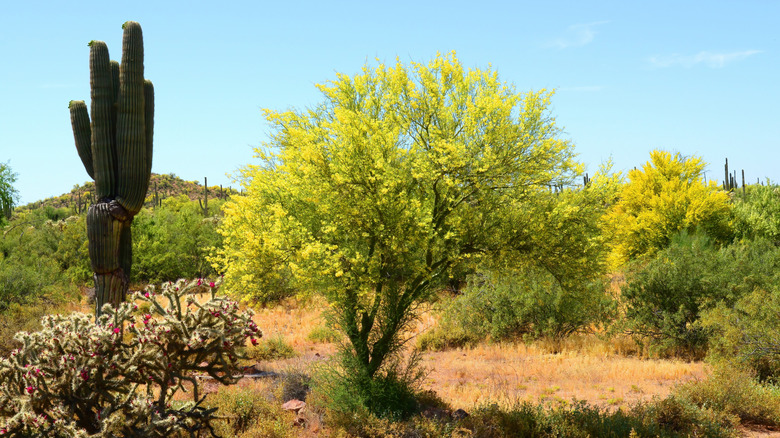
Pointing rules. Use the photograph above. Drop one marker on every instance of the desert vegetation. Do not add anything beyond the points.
(415, 256)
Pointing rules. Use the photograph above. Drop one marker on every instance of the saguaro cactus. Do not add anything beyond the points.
(116, 149)
(204, 206)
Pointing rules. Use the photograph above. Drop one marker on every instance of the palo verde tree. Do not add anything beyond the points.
(666, 196)
(399, 175)
(116, 149)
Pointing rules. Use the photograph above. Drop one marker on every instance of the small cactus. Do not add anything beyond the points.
(116, 149)
(204, 206)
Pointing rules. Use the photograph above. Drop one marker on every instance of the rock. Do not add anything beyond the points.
(459, 414)
(294, 405)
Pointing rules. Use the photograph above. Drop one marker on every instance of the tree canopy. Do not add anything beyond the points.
(666, 196)
(400, 175)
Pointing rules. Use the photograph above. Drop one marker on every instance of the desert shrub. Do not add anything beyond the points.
(369, 426)
(679, 417)
(733, 391)
(56, 214)
(672, 417)
(665, 297)
(118, 376)
(295, 384)
(172, 241)
(26, 318)
(25, 282)
(73, 250)
(271, 349)
(747, 334)
(341, 387)
(33, 278)
(757, 212)
(661, 418)
(29, 268)
(529, 303)
(56, 250)
(447, 335)
(745, 266)
(323, 334)
(246, 413)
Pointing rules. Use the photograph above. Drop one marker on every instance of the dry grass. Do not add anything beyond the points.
(583, 367)
(506, 373)
(294, 320)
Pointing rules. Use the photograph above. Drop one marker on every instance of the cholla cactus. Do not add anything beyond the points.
(75, 378)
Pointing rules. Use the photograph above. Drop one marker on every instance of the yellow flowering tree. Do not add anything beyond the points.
(666, 196)
(399, 175)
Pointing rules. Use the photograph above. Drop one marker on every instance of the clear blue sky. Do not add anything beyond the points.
(696, 77)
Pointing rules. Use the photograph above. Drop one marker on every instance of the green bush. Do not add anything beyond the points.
(447, 335)
(26, 318)
(73, 250)
(679, 417)
(26, 282)
(323, 334)
(118, 377)
(529, 303)
(662, 418)
(34, 277)
(57, 250)
(747, 334)
(173, 241)
(735, 392)
(56, 214)
(248, 414)
(668, 418)
(345, 390)
(271, 349)
(665, 297)
(757, 213)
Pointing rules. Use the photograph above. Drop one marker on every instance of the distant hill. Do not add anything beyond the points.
(160, 187)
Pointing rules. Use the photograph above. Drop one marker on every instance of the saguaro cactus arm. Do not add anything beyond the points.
(131, 122)
(103, 127)
(149, 118)
(82, 133)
